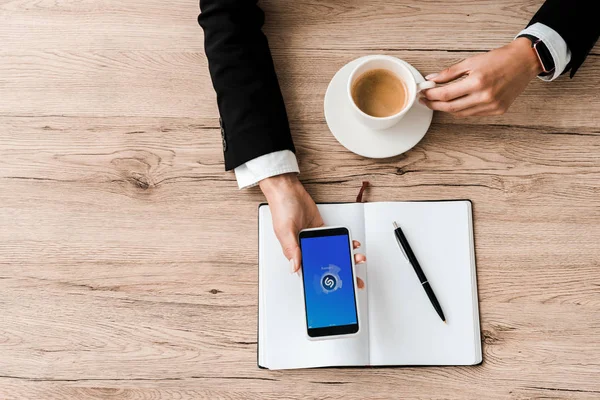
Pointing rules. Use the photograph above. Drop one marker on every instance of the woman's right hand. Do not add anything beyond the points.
(292, 210)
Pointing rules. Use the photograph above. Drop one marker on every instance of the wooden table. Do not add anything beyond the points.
(128, 258)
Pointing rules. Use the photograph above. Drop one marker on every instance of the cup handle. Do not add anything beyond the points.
(425, 85)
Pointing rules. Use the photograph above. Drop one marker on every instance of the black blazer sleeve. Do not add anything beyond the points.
(253, 116)
(576, 21)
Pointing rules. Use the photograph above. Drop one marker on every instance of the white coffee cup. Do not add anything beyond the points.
(401, 71)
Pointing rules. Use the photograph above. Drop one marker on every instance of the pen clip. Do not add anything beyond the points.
(402, 249)
(396, 227)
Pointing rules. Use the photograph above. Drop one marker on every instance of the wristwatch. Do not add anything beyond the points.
(543, 54)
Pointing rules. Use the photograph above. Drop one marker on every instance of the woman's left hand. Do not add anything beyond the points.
(490, 82)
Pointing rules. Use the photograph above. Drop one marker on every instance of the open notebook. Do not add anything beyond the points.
(398, 323)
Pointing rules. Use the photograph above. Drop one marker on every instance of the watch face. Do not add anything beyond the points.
(544, 56)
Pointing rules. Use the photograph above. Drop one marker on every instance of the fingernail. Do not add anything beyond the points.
(292, 266)
(431, 76)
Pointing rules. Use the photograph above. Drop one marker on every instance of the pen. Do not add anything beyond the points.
(410, 256)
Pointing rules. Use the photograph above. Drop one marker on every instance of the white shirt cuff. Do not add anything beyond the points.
(266, 166)
(555, 44)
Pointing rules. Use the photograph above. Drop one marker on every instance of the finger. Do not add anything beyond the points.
(450, 92)
(360, 283)
(360, 258)
(291, 250)
(487, 113)
(483, 113)
(477, 110)
(451, 106)
(449, 74)
(355, 244)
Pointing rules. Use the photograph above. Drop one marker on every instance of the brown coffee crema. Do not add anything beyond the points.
(379, 93)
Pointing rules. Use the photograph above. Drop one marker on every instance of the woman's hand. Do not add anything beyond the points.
(490, 82)
(292, 210)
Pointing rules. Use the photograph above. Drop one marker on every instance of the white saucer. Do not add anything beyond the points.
(364, 141)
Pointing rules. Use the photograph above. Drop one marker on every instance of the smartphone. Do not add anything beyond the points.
(329, 283)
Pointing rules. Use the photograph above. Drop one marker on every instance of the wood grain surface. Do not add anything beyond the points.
(128, 258)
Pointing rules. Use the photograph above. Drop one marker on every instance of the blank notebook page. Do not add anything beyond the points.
(404, 328)
(283, 341)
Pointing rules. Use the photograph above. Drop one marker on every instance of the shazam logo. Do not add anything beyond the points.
(329, 281)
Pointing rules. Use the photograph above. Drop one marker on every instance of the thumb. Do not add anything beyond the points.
(449, 74)
(291, 249)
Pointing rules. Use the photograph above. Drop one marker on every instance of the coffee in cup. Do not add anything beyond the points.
(379, 93)
(382, 89)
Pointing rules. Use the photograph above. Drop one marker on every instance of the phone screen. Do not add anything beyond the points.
(328, 282)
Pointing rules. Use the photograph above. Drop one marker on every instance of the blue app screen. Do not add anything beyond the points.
(328, 281)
